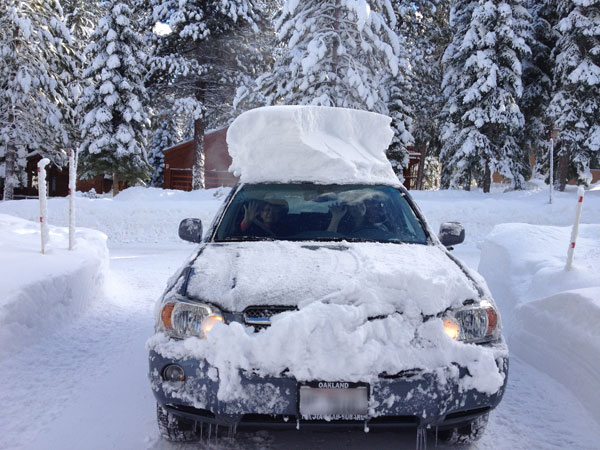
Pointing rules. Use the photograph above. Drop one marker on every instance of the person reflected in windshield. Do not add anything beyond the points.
(264, 219)
(375, 215)
(346, 217)
(361, 215)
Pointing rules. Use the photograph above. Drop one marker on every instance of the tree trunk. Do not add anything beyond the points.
(10, 158)
(9, 172)
(563, 171)
(115, 186)
(487, 178)
(421, 170)
(198, 181)
(336, 42)
(469, 181)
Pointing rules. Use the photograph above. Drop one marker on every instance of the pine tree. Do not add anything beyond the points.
(575, 105)
(34, 75)
(482, 85)
(202, 60)
(537, 81)
(400, 113)
(423, 33)
(81, 17)
(336, 53)
(165, 134)
(113, 129)
(431, 35)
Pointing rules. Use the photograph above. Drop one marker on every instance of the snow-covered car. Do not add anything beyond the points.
(320, 295)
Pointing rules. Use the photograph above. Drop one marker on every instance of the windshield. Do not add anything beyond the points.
(320, 212)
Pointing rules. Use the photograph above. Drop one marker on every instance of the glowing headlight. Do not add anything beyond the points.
(475, 323)
(181, 319)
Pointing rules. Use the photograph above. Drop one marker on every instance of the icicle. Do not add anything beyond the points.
(216, 432)
(421, 438)
(202, 431)
(297, 423)
(366, 427)
(209, 431)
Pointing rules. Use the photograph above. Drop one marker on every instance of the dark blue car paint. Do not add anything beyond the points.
(424, 399)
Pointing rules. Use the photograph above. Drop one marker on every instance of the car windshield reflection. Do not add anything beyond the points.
(309, 212)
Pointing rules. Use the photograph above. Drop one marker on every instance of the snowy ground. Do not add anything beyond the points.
(84, 384)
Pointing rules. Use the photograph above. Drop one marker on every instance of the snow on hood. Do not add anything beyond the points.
(311, 144)
(383, 278)
(361, 309)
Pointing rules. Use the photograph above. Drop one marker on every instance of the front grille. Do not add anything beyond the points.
(260, 316)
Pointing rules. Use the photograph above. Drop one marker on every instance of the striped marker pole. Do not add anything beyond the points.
(72, 178)
(551, 168)
(42, 194)
(575, 230)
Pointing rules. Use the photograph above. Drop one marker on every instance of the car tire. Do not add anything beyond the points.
(465, 433)
(174, 428)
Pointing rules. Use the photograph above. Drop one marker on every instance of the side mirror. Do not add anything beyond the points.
(191, 230)
(451, 233)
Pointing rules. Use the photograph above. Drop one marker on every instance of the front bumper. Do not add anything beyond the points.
(411, 399)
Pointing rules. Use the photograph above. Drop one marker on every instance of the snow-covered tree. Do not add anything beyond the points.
(575, 106)
(537, 81)
(200, 60)
(400, 113)
(114, 126)
(415, 99)
(482, 85)
(34, 74)
(430, 28)
(81, 17)
(336, 53)
(165, 134)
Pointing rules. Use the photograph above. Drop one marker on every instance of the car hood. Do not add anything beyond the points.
(362, 311)
(381, 278)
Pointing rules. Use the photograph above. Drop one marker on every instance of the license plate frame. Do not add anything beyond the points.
(338, 400)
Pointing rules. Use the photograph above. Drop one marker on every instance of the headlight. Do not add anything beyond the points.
(181, 319)
(475, 323)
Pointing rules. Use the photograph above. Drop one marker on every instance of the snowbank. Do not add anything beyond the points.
(152, 215)
(553, 314)
(311, 143)
(42, 292)
(136, 215)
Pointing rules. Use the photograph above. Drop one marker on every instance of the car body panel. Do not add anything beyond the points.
(359, 312)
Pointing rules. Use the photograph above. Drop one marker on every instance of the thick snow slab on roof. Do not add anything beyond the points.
(40, 292)
(311, 143)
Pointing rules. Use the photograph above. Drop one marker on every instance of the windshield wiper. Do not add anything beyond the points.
(244, 239)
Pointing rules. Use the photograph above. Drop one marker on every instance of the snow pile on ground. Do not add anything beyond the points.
(553, 314)
(311, 143)
(42, 292)
(136, 215)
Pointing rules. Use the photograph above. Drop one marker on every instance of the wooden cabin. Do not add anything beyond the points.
(180, 159)
(57, 179)
(411, 173)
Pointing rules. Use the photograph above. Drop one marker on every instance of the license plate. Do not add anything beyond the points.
(334, 401)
